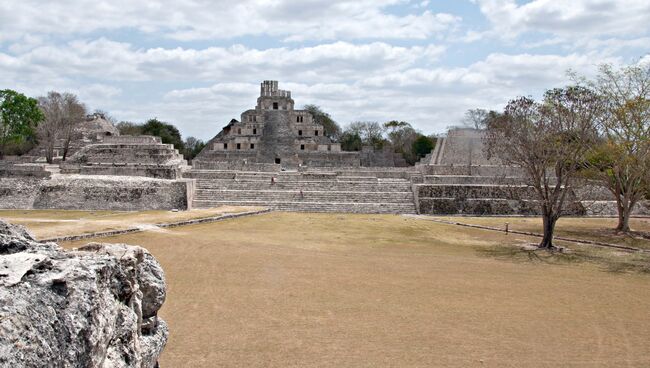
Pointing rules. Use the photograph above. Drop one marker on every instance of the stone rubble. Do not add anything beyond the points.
(95, 306)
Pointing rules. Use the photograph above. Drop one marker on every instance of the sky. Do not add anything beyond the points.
(197, 64)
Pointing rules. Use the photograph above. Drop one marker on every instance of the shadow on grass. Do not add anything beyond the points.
(615, 262)
(524, 255)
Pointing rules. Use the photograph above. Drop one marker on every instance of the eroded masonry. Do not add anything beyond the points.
(279, 157)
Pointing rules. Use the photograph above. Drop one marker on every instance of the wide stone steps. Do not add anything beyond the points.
(304, 206)
(312, 186)
(356, 178)
(314, 191)
(315, 196)
(472, 179)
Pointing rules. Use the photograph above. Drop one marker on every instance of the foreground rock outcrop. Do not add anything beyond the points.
(91, 307)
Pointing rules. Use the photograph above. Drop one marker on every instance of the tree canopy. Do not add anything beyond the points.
(622, 159)
(550, 141)
(167, 132)
(370, 132)
(192, 147)
(422, 146)
(19, 117)
(331, 127)
(62, 114)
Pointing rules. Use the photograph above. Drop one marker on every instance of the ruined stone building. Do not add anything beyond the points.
(274, 133)
(93, 129)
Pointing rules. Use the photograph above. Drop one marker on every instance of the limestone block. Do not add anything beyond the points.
(92, 307)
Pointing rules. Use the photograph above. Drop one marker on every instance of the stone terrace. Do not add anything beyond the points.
(356, 191)
(127, 156)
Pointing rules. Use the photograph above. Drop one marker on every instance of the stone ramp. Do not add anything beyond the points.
(305, 192)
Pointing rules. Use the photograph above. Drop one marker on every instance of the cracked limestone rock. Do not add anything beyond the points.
(94, 306)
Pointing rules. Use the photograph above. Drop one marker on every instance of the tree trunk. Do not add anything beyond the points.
(624, 212)
(549, 227)
(49, 153)
(66, 147)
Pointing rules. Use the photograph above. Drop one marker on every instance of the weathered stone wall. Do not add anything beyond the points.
(370, 157)
(475, 170)
(470, 179)
(240, 165)
(329, 159)
(18, 193)
(133, 139)
(92, 307)
(95, 193)
(8, 170)
(123, 169)
(483, 199)
(461, 191)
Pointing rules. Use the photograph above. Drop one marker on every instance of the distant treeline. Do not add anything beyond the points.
(168, 133)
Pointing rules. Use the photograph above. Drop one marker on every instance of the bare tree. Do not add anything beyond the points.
(476, 118)
(63, 113)
(622, 160)
(48, 130)
(371, 132)
(74, 114)
(402, 137)
(549, 141)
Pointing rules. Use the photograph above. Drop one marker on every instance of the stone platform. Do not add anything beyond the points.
(317, 191)
(127, 156)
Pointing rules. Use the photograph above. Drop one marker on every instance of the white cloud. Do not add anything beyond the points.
(570, 19)
(116, 61)
(223, 19)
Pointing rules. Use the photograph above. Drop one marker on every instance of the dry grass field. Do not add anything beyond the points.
(334, 290)
(46, 224)
(600, 229)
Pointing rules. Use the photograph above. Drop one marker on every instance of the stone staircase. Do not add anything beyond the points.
(127, 156)
(305, 192)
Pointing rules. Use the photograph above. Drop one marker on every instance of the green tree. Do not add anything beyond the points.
(129, 128)
(192, 147)
(401, 136)
(350, 141)
(19, 116)
(331, 127)
(422, 146)
(622, 162)
(168, 133)
(370, 132)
